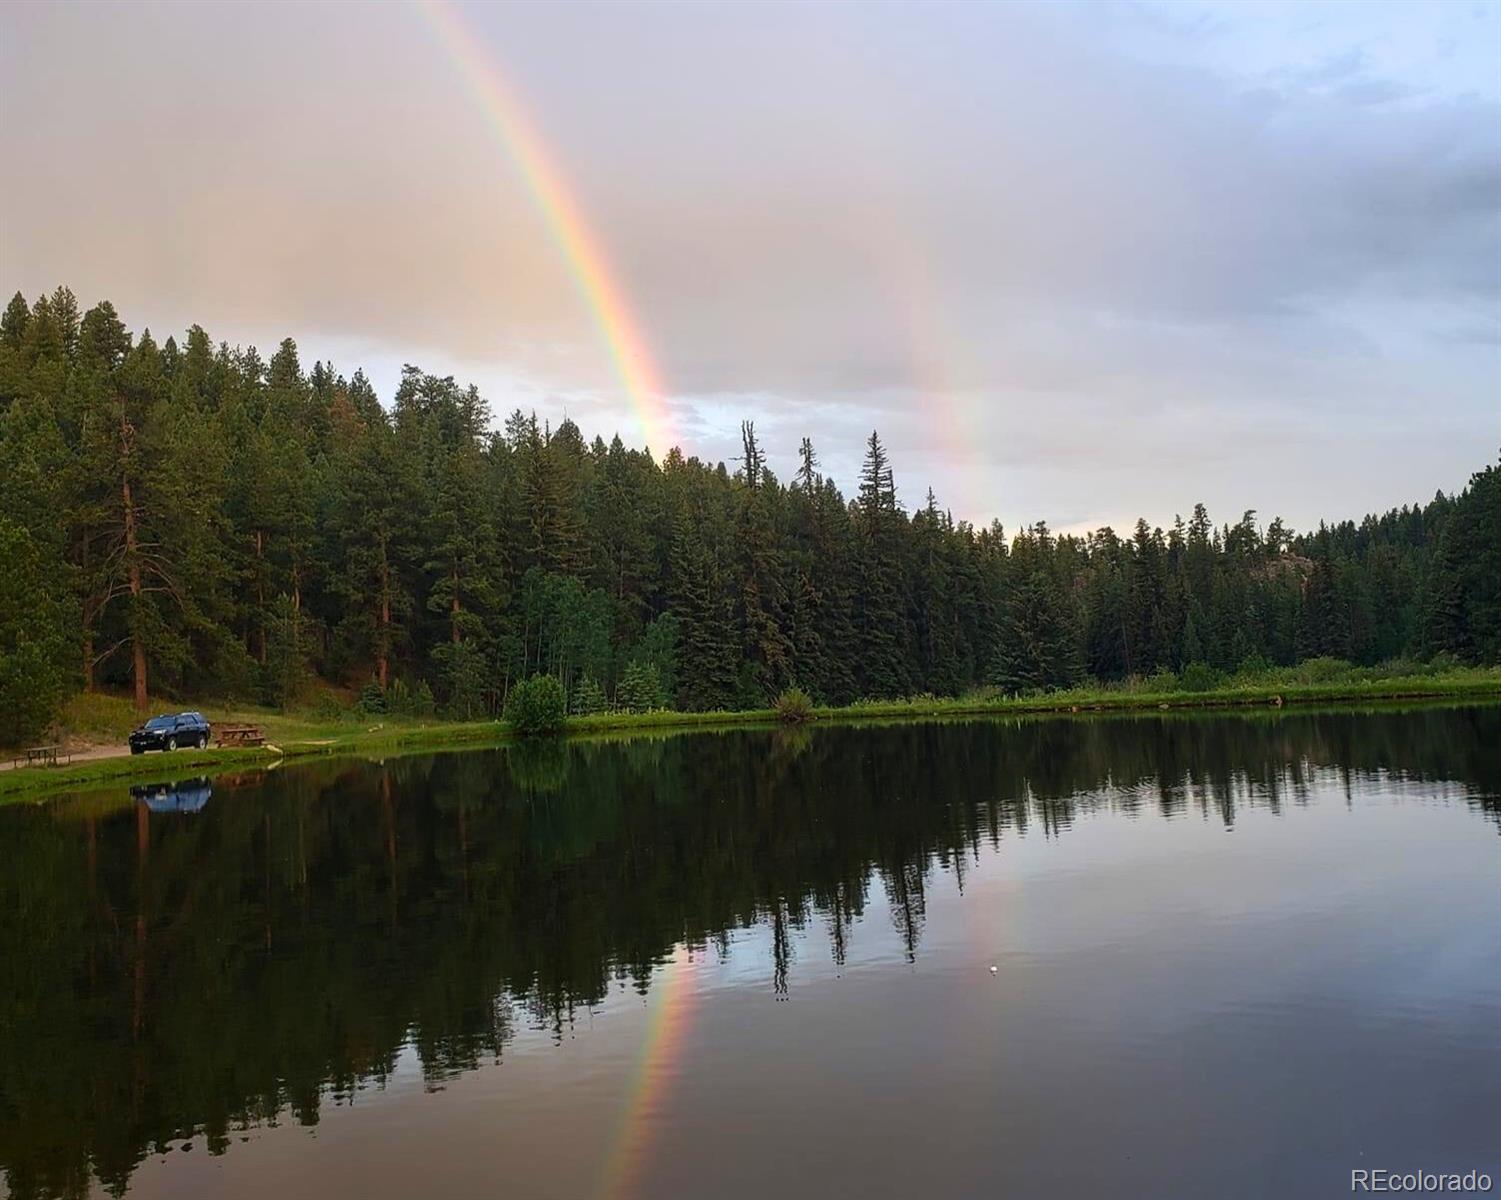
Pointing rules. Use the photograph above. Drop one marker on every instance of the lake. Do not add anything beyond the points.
(1166, 955)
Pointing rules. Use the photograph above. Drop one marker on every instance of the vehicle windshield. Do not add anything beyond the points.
(160, 723)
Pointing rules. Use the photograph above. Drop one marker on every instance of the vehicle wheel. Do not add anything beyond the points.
(172, 743)
(203, 741)
(135, 750)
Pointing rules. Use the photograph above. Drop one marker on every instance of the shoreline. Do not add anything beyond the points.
(37, 783)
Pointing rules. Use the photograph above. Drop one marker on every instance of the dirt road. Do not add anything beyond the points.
(81, 754)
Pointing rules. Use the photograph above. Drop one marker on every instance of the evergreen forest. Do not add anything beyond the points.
(182, 518)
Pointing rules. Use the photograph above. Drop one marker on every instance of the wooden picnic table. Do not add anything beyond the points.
(46, 754)
(239, 735)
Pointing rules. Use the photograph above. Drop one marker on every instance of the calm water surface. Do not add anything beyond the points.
(1116, 957)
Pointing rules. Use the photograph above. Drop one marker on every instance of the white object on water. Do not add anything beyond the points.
(994, 969)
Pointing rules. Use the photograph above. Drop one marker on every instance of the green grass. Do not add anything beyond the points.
(104, 719)
(101, 719)
(1316, 682)
(667, 718)
(1458, 685)
(107, 719)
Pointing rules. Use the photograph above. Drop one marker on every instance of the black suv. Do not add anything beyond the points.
(170, 732)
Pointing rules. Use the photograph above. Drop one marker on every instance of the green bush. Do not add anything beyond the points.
(793, 706)
(537, 706)
(1199, 677)
(328, 707)
(1161, 680)
(1253, 667)
(408, 700)
(1322, 670)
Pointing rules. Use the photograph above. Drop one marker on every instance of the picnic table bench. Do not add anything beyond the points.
(239, 735)
(45, 754)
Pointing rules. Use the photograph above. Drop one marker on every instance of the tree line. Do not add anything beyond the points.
(186, 518)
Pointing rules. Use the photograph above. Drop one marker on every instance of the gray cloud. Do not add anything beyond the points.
(1135, 254)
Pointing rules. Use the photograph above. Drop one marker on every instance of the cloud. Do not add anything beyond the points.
(1028, 242)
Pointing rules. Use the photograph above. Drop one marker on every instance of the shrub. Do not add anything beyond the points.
(1322, 670)
(327, 707)
(537, 706)
(372, 699)
(1253, 666)
(1199, 677)
(793, 706)
(588, 698)
(1161, 680)
(406, 700)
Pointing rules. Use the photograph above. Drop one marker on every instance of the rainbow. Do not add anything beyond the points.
(668, 1023)
(934, 359)
(562, 215)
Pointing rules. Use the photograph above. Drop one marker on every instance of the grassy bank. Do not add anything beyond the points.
(98, 720)
(1296, 685)
(106, 720)
(394, 738)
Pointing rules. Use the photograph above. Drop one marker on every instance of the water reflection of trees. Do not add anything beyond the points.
(161, 975)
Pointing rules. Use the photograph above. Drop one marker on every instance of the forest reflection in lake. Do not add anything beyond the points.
(1233, 956)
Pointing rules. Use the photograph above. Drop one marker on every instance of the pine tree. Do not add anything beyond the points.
(640, 689)
(553, 490)
(374, 523)
(35, 618)
(14, 375)
(588, 698)
(466, 674)
(1038, 647)
(880, 612)
(1463, 611)
(140, 552)
(707, 652)
(766, 652)
(285, 673)
(1323, 628)
(622, 514)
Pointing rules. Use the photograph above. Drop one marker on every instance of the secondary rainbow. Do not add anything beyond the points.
(554, 200)
(934, 356)
(673, 994)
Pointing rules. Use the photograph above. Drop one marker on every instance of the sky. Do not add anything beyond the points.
(1075, 262)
